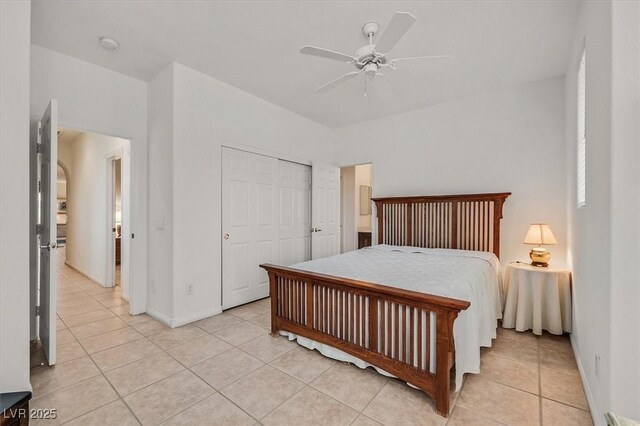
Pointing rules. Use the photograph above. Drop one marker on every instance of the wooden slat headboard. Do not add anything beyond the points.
(466, 222)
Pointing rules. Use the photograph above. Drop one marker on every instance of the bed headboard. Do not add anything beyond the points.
(467, 221)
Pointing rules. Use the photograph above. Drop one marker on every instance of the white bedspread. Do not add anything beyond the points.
(466, 275)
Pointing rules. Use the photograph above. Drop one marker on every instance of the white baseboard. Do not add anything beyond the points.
(159, 316)
(595, 416)
(71, 265)
(178, 322)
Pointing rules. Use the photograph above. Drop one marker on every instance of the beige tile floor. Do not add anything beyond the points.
(118, 275)
(114, 368)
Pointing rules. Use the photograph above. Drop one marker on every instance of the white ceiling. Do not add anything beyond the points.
(254, 46)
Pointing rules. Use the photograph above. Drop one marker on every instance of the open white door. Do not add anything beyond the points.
(325, 210)
(47, 229)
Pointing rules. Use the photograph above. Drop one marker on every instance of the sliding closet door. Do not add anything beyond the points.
(250, 224)
(295, 213)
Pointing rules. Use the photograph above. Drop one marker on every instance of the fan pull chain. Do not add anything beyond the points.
(365, 85)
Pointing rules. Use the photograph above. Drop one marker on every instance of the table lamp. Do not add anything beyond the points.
(539, 234)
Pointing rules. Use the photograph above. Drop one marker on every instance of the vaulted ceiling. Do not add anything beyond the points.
(254, 46)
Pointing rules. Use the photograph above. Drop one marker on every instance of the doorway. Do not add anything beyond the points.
(69, 206)
(114, 189)
(355, 207)
(96, 207)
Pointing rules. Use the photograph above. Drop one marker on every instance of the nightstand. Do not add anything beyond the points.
(537, 299)
(364, 238)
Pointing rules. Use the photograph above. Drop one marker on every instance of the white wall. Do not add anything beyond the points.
(508, 140)
(15, 30)
(160, 101)
(88, 222)
(95, 99)
(208, 114)
(625, 207)
(604, 236)
(118, 185)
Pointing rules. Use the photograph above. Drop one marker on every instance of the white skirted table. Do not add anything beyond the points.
(537, 299)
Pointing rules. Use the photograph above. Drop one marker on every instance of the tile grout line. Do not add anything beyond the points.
(538, 364)
(67, 386)
(219, 391)
(128, 363)
(285, 401)
(539, 386)
(121, 397)
(342, 403)
(102, 372)
(265, 364)
(372, 399)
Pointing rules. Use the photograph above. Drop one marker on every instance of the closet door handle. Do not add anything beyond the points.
(226, 236)
(316, 229)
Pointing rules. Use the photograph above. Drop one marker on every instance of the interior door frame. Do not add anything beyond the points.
(373, 207)
(125, 241)
(250, 150)
(33, 221)
(136, 304)
(111, 201)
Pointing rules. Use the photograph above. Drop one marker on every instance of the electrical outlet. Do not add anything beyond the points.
(597, 365)
(190, 289)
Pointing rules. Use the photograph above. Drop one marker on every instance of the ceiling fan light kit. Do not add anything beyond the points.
(371, 58)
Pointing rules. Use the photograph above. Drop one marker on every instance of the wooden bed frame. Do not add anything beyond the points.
(389, 327)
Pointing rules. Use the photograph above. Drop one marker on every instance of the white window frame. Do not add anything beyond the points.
(581, 139)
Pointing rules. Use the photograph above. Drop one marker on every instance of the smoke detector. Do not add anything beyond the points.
(109, 43)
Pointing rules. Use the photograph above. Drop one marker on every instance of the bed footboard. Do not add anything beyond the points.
(387, 327)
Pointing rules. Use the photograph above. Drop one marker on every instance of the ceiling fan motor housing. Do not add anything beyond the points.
(365, 55)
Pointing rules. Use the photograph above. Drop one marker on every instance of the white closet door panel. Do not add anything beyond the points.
(295, 212)
(250, 226)
(266, 216)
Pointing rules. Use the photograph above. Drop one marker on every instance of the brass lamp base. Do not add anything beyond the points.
(540, 257)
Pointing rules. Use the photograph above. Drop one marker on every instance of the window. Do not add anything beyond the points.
(581, 189)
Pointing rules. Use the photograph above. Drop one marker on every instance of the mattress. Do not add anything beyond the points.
(461, 274)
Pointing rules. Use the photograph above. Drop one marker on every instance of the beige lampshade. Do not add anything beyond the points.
(539, 233)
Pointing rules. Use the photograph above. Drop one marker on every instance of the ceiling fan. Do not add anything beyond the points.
(372, 58)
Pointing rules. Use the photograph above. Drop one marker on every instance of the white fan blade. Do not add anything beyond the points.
(413, 58)
(333, 83)
(324, 53)
(381, 87)
(399, 25)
